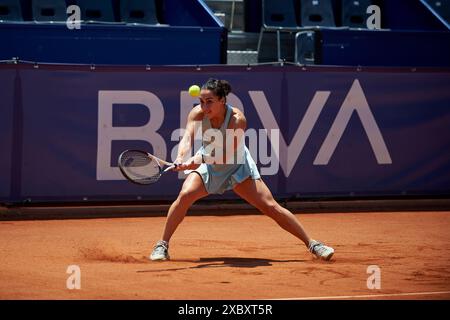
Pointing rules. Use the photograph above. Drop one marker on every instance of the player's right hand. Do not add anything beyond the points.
(190, 164)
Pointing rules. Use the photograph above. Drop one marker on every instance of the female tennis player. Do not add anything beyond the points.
(207, 174)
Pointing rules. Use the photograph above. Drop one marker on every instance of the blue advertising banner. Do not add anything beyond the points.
(8, 82)
(375, 133)
(316, 132)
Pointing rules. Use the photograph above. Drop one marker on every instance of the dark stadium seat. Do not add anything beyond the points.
(354, 13)
(10, 10)
(317, 13)
(277, 16)
(49, 10)
(96, 11)
(138, 11)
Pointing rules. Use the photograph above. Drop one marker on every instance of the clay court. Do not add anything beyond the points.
(228, 257)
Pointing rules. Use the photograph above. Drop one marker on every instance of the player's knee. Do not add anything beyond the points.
(187, 196)
(271, 209)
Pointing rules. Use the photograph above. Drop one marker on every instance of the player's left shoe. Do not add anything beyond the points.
(320, 250)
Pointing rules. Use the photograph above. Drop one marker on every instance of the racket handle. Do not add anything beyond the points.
(170, 167)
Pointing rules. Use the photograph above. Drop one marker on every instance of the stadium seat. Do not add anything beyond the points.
(305, 48)
(94, 11)
(49, 10)
(10, 10)
(277, 16)
(317, 13)
(138, 11)
(354, 13)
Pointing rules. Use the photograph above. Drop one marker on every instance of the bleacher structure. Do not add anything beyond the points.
(117, 32)
(53, 11)
(303, 31)
(236, 32)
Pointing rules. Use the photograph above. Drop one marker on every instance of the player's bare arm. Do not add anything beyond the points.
(238, 125)
(238, 120)
(185, 146)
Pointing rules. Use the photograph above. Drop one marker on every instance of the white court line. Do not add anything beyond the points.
(369, 296)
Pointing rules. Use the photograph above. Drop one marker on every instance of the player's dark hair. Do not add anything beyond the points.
(220, 88)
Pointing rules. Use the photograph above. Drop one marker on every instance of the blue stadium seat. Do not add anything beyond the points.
(49, 10)
(278, 16)
(138, 11)
(317, 13)
(10, 10)
(93, 11)
(354, 13)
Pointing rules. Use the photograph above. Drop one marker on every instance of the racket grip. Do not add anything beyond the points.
(170, 167)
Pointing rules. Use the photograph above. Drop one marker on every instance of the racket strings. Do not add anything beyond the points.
(139, 167)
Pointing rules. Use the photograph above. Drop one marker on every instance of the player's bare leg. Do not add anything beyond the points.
(258, 194)
(191, 191)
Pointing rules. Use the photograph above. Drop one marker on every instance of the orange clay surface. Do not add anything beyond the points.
(228, 257)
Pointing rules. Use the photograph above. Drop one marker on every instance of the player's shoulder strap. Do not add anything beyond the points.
(227, 117)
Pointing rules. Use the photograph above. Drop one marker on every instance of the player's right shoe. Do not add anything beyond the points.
(320, 250)
(160, 251)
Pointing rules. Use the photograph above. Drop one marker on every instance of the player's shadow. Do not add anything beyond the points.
(239, 262)
(226, 262)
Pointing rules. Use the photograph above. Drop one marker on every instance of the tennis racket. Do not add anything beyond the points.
(142, 167)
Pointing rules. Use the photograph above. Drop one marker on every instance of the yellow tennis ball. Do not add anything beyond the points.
(194, 91)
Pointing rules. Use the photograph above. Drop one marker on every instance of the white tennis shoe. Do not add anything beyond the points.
(160, 251)
(320, 250)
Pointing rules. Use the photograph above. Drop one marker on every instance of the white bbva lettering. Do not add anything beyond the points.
(282, 153)
(355, 101)
(107, 133)
(288, 154)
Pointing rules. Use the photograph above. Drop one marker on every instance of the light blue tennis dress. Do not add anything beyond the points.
(219, 178)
